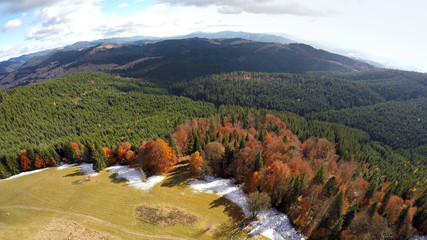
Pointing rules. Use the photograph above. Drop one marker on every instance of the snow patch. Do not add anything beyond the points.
(419, 237)
(25, 174)
(223, 187)
(272, 223)
(63, 166)
(134, 177)
(87, 169)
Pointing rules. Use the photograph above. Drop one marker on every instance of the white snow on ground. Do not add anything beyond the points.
(134, 177)
(272, 224)
(65, 165)
(87, 169)
(419, 237)
(25, 174)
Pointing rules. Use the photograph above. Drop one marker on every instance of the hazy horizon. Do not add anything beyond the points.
(387, 32)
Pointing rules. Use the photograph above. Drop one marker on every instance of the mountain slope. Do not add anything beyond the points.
(179, 60)
(13, 64)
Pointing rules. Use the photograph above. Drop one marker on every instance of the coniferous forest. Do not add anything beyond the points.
(334, 151)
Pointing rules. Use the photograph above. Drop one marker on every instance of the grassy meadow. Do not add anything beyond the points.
(106, 204)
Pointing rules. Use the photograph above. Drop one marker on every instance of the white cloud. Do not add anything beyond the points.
(157, 8)
(252, 6)
(18, 50)
(12, 24)
(359, 26)
(16, 6)
(122, 5)
(68, 21)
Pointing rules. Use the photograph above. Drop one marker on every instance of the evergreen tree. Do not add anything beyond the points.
(330, 187)
(320, 177)
(262, 134)
(295, 188)
(100, 160)
(420, 217)
(172, 143)
(259, 163)
(335, 228)
(207, 139)
(337, 206)
(370, 190)
(402, 216)
(373, 208)
(349, 215)
(4, 173)
(242, 143)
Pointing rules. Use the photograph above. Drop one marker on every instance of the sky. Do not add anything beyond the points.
(391, 32)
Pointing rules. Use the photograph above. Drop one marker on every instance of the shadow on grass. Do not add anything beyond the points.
(75, 173)
(227, 230)
(77, 182)
(231, 209)
(178, 176)
(114, 179)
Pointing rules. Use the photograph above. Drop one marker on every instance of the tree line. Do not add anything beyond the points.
(324, 195)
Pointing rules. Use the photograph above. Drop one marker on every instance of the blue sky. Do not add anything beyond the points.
(391, 32)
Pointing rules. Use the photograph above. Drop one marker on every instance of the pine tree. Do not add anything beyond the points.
(242, 143)
(320, 177)
(172, 143)
(207, 139)
(349, 215)
(295, 188)
(370, 190)
(100, 160)
(373, 209)
(330, 187)
(259, 163)
(402, 216)
(337, 205)
(335, 228)
(197, 143)
(4, 173)
(420, 218)
(262, 134)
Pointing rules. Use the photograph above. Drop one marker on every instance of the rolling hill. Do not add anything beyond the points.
(180, 60)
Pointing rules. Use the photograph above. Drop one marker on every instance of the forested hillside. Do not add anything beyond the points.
(326, 197)
(91, 106)
(173, 61)
(83, 107)
(104, 119)
(389, 105)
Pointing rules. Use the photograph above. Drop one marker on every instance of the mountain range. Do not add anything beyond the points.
(172, 59)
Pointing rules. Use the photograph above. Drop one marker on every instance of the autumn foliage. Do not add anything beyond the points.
(110, 155)
(308, 180)
(196, 164)
(124, 153)
(25, 162)
(156, 157)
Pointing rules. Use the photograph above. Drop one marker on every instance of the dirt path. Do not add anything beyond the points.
(123, 229)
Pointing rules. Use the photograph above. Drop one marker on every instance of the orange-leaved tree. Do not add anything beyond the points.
(110, 155)
(196, 163)
(38, 162)
(124, 153)
(156, 157)
(24, 161)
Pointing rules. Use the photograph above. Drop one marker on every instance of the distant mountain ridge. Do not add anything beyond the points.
(13, 64)
(180, 59)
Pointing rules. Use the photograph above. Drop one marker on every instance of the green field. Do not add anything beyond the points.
(104, 204)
